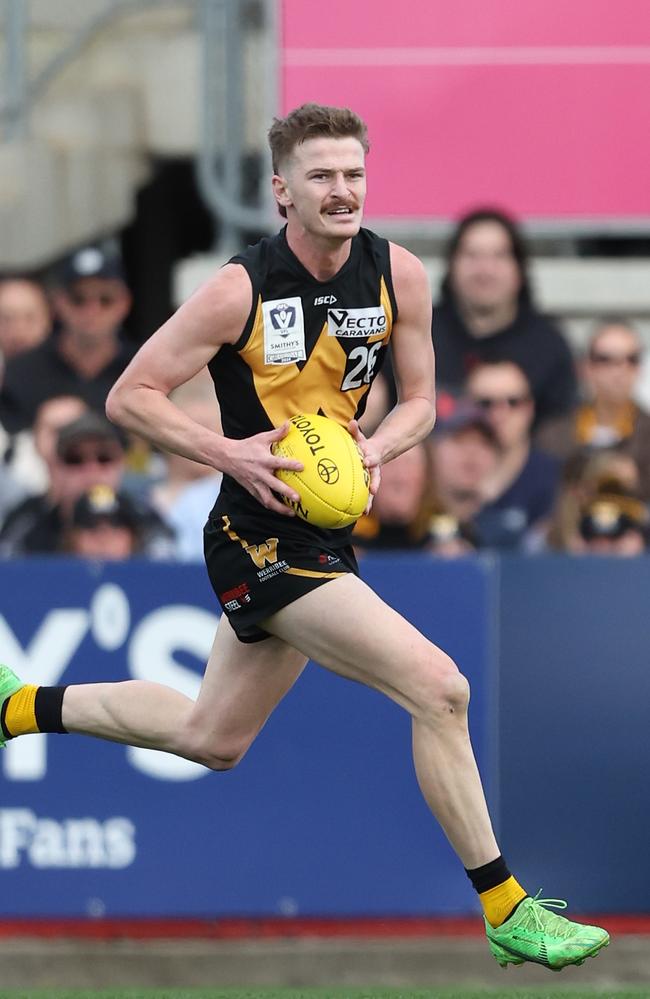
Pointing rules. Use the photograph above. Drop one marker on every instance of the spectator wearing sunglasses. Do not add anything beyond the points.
(89, 452)
(609, 417)
(519, 492)
(86, 353)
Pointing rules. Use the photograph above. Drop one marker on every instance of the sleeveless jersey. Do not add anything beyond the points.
(308, 346)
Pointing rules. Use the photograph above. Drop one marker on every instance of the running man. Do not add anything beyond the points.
(300, 323)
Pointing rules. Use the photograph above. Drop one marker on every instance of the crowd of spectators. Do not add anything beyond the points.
(534, 450)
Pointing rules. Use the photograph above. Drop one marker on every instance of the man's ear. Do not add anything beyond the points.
(281, 191)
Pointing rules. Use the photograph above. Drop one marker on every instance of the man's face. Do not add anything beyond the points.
(85, 463)
(25, 318)
(503, 393)
(484, 273)
(403, 483)
(323, 183)
(51, 415)
(612, 367)
(628, 545)
(105, 540)
(93, 307)
(463, 460)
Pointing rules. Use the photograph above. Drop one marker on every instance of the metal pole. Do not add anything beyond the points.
(16, 16)
(232, 151)
(231, 213)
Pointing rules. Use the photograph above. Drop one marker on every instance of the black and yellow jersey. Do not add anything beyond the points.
(308, 346)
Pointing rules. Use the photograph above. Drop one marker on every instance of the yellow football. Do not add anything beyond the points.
(333, 486)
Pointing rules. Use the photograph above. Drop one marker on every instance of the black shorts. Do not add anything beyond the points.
(255, 572)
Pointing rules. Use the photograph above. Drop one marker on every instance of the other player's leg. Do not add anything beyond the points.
(346, 627)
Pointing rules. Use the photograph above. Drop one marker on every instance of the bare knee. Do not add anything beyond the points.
(216, 753)
(444, 692)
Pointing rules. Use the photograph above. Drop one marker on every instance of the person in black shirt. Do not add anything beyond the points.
(85, 354)
(486, 313)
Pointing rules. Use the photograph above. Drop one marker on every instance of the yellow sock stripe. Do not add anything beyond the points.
(499, 902)
(20, 717)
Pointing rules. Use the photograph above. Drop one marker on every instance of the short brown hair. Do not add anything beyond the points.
(310, 121)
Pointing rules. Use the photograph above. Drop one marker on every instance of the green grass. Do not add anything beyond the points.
(334, 993)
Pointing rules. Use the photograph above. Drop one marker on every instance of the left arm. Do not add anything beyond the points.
(413, 417)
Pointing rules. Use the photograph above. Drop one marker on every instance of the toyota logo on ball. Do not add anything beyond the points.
(328, 471)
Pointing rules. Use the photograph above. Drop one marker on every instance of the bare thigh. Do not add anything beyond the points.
(242, 684)
(349, 629)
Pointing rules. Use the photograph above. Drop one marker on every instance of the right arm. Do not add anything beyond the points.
(214, 315)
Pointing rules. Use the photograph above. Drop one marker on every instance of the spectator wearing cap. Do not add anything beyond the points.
(582, 479)
(520, 490)
(486, 313)
(609, 416)
(465, 451)
(25, 315)
(86, 354)
(103, 525)
(612, 523)
(89, 452)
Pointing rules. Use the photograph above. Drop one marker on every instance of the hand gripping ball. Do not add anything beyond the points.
(334, 484)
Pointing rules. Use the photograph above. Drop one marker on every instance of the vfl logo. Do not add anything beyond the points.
(265, 553)
(283, 318)
(284, 331)
(328, 471)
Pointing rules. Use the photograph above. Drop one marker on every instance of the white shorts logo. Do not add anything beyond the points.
(284, 331)
(357, 322)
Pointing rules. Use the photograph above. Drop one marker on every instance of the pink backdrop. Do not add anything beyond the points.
(541, 106)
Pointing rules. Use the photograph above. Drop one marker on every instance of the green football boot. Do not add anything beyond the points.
(533, 933)
(9, 684)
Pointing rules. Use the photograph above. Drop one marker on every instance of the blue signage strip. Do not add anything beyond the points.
(322, 817)
(574, 731)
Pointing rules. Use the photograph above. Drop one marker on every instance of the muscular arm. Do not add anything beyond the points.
(213, 316)
(413, 417)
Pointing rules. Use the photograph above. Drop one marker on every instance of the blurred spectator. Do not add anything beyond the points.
(188, 491)
(449, 538)
(519, 491)
(609, 416)
(583, 475)
(25, 317)
(103, 525)
(377, 405)
(30, 452)
(86, 354)
(465, 451)
(89, 452)
(486, 314)
(403, 506)
(612, 523)
(10, 490)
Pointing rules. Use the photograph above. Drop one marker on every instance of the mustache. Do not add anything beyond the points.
(331, 206)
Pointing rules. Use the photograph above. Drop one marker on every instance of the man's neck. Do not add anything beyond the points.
(322, 258)
(87, 357)
(485, 322)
